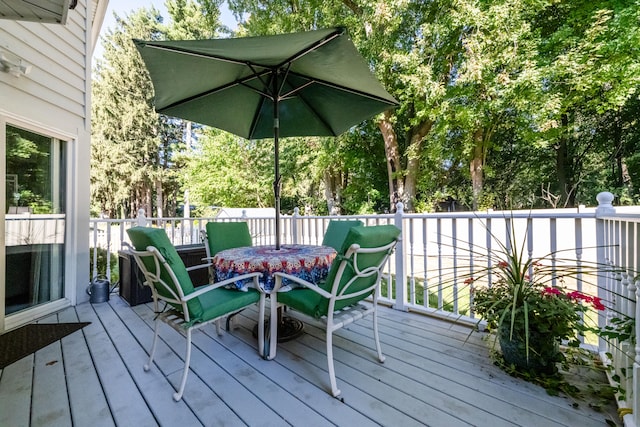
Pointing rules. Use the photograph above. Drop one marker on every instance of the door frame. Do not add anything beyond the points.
(25, 316)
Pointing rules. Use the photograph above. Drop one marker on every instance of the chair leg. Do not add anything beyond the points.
(187, 359)
(262, 350)
(332, 372)
(156, 330)
(377, 337)
(273, 327)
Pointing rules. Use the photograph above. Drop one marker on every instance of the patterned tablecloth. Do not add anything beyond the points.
(310, 263)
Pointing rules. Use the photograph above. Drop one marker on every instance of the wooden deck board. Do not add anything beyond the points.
(435, 374)
(86, 409)
(128, 406)
(15, 392)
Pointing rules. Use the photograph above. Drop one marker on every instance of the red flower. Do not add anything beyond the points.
(597, 304)
(469, 280)
(551, 291)
(503, 264)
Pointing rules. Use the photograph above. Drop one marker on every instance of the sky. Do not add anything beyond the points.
(124, 7)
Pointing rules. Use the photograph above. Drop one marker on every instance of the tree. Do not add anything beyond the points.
(388, 35)
(125, 128)
(590, 54)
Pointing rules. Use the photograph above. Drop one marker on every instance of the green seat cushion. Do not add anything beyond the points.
(303, 300)
(337, 232)
(312, 304)
(227, 235)
(143, 237)
(221, 301)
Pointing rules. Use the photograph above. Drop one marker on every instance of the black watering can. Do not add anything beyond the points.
(98, 289)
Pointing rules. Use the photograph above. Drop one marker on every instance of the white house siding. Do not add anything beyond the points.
(54, 96)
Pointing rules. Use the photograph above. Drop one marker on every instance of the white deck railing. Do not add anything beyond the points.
(437, 251)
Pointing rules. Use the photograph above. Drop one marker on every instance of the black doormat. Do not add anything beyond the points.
(16, 344)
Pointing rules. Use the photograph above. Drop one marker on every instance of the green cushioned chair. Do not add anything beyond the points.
(187, 307)
(354, 275)
(227, 235)
(219, 236)
(337, 231)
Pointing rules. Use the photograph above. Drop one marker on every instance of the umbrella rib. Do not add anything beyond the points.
(296, 90)
(192, 53)
(218, 89)
(344, 89)
(339, 31)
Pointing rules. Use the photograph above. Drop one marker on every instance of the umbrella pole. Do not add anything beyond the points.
(276, 134)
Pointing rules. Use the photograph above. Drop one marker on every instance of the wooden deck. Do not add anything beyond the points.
(94, 377)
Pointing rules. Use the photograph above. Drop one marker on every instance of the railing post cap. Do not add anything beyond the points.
(142, 218)
(605, 198)
(399, 207)
(605, 205)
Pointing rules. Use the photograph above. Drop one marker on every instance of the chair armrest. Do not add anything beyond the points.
(196, 267)
(206, 288)
(299, 281)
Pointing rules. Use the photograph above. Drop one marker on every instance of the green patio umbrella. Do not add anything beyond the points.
(311, 83)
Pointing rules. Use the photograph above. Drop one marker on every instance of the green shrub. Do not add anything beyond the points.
(102, 264)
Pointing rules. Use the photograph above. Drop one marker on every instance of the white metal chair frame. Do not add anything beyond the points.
(180, 321)
(336, 320)
(208, 256)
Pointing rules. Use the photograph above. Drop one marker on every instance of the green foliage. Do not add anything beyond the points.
(102, 264)
(225, 170)
(125, 128)
(29, 162)
(503, 104)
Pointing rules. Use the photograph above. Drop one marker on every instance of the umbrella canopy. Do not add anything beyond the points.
(311, 83)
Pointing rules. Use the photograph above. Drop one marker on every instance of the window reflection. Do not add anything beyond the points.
(35, 219)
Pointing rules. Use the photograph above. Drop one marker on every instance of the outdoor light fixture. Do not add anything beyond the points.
(14, 65)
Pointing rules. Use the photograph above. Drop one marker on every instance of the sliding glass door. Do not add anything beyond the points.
(35, 219)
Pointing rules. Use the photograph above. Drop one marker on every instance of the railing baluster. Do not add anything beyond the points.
(489, 240)
(401, 277)
(471, 267)
(634, 398)
(412, 277)
(425, 265)
(454, 244)
(553, 248)
(440, 273)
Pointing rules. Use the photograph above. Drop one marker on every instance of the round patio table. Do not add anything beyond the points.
(308, 262)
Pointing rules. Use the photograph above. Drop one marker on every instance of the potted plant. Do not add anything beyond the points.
(531, 318)
(526, 303)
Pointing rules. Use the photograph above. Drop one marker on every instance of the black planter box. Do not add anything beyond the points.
(131, 278)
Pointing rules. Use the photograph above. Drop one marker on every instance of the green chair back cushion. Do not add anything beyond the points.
(227, 235)
(337, 232)
(312, 304)
(143, 237)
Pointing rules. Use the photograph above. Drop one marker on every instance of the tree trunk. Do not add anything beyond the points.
(394, 167)
(159, 198)
(476, 167)
(562, 163)
(330, 193)
(148, 200)
(413, 165)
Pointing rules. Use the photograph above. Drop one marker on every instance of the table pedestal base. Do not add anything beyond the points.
(288, 329)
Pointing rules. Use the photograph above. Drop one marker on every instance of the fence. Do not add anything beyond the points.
(437, 251)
